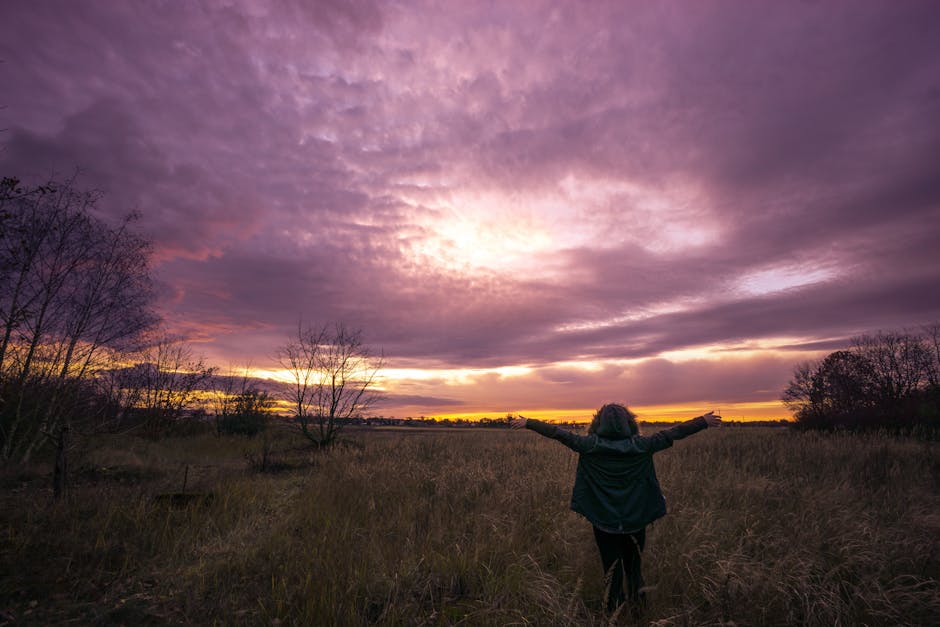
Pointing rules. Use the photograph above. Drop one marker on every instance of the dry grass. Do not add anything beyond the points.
(766, 526)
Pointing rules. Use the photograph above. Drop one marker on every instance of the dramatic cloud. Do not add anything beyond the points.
(527, 205)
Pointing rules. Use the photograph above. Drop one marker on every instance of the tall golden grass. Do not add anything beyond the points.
(766, 527)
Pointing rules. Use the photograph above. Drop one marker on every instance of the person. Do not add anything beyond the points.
(616, 488)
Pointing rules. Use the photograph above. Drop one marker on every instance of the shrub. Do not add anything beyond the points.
(249, 415)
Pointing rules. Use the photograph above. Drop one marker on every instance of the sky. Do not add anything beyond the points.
(531, 207)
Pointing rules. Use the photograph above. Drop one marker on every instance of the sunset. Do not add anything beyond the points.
(506, 214)
(525, 207)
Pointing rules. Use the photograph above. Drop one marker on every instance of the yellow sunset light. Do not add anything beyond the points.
(742, 412)
(750, 348)
(447, 376)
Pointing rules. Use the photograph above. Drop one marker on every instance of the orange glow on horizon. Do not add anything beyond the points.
(740, 412)
(452, 380)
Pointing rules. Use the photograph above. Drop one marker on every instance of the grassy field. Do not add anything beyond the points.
(766, 526)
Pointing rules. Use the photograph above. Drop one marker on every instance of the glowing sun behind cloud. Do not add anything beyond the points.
(467, 230)
(483, 232)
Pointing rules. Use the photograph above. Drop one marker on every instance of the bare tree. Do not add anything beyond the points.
(899, 363)
(884, 380)
(167, 380)
(118, 393)
(299, 356)
(73, 289)
(333, 374)
(932, 340)
(154, 388)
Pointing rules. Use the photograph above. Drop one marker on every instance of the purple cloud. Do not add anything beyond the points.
(521, 184)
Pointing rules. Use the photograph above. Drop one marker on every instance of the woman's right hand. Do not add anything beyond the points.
(712, 419)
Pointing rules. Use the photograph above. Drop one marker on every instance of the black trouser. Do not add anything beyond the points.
(620, 555)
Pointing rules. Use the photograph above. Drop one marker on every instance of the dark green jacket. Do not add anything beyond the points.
(615, 487)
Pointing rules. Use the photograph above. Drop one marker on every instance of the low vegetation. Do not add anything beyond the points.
(406, 526)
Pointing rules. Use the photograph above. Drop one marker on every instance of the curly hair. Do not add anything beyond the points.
(614, 422)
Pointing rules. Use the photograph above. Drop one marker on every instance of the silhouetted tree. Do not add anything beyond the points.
(883, 380)
(168, 380)
(163, 382)
(73, 290)
(932, 337)
(831, 392)
(333, 374)
(898, 365)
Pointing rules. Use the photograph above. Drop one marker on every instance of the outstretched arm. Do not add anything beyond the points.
(665, 438)
(577, 443)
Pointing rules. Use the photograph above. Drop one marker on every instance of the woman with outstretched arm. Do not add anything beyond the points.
(616, 489)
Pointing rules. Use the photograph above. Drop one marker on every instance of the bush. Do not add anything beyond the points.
(249, 415)
(243, 424)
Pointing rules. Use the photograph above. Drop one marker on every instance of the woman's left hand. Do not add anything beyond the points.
(712, 419)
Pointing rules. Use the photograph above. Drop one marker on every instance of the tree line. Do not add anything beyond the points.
(890, 380)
